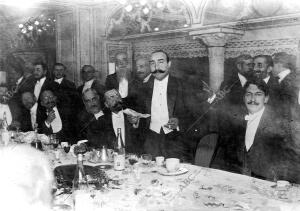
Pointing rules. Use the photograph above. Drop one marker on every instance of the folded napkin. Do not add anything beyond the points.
(29, 136)
(131, 112)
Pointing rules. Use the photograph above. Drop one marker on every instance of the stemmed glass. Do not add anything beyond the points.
(54, 140)
(132, 159)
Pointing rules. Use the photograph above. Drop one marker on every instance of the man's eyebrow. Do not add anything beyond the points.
(161, 60)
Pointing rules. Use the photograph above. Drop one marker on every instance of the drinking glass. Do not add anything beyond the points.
(132, 158)
(66, 146)
(147, 158)
(54, 140)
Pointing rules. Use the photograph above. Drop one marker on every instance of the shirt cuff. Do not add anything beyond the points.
(136, 125)
(211, 99)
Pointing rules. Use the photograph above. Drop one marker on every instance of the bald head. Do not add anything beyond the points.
(142, 68)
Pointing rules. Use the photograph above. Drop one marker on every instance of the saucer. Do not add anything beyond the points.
(180, 171)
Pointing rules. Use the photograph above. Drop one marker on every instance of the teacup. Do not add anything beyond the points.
(172, 164)
(159, 160)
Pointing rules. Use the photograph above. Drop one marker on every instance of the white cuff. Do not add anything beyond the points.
(211, 99)
(48, 125)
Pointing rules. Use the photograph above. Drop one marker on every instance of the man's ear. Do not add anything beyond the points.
(266, 99)
(269, 69)
(169, 64)
(106, 105)
(239, 66)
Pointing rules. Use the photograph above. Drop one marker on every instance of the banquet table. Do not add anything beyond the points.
(197, 189)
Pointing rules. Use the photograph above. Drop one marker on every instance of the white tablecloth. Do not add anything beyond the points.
(198, 189)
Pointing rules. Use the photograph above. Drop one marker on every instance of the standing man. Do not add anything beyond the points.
(89, 81)
(120, 79)
(66, 92)
(165, 101)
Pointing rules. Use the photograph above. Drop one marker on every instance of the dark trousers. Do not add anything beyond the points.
(155, 143)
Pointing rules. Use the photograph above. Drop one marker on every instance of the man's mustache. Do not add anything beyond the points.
(157, 71)
(252, 103)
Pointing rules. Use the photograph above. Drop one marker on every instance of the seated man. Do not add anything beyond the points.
(26, 179)
(100, 126)
(55, 119)
(29, 111)
(261, 147)
(119, 118)
(93, 124)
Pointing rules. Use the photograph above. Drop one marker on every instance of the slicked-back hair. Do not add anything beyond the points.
(260, 83)
(89, 90)
(268, 59)
(59, 64)
(87, 66)
(162, 51)
(241, 58)
(282, 58)
(43, 64)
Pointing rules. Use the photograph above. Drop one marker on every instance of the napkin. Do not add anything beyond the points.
(131, 112)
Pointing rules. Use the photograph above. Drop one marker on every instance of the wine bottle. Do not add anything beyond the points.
(119, 152)
(80, 181)
(5, 133)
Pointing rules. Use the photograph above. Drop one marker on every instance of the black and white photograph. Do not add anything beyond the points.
(150, 105)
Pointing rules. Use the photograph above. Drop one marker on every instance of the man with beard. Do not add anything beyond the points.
(120, 118)
(55, 119)
(120, 79)
(261, 147)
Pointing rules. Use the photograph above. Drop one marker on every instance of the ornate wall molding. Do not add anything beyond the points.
(185, 47)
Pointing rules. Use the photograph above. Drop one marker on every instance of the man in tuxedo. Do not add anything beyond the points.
(66, 90)
(261, 147)
(41, 81)
(120, 118)
(55, 119)
(165, 101)
(120, 79)
(29, 112)
(89, 81)
(97, 125)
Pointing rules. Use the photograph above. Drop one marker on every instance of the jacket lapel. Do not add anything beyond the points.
(171, 94)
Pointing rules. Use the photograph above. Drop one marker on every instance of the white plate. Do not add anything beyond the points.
(180, 171)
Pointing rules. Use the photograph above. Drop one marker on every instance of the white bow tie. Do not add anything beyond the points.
(249, 117)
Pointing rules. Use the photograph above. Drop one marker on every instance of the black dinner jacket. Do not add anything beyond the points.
(100, 132)
(25, 119)
(176, 99)
(68, 131)
(111, 82)
(272, 151)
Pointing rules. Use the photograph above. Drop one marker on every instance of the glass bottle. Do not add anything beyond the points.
(81, 196)
(5, 133)
(36, 143)
(80, 181)
(119, 152)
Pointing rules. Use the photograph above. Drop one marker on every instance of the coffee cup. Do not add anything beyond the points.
(172, 164)
(159, 160)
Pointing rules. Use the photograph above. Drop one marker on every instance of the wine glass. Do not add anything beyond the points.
(147, 158)
(66, 146)
(132, 158)
(54, 140)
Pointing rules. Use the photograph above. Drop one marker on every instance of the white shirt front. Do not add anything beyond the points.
(58, 80)
(119, 122)
(56, 124)
(147, 78)
(33, 114)
(159, 106)
(283, 74)
(252, 125)
(38, 87)
(87, 85)
(123, 87)
(99, 114)
(266, 80)
(243, 79)
(5, 109)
